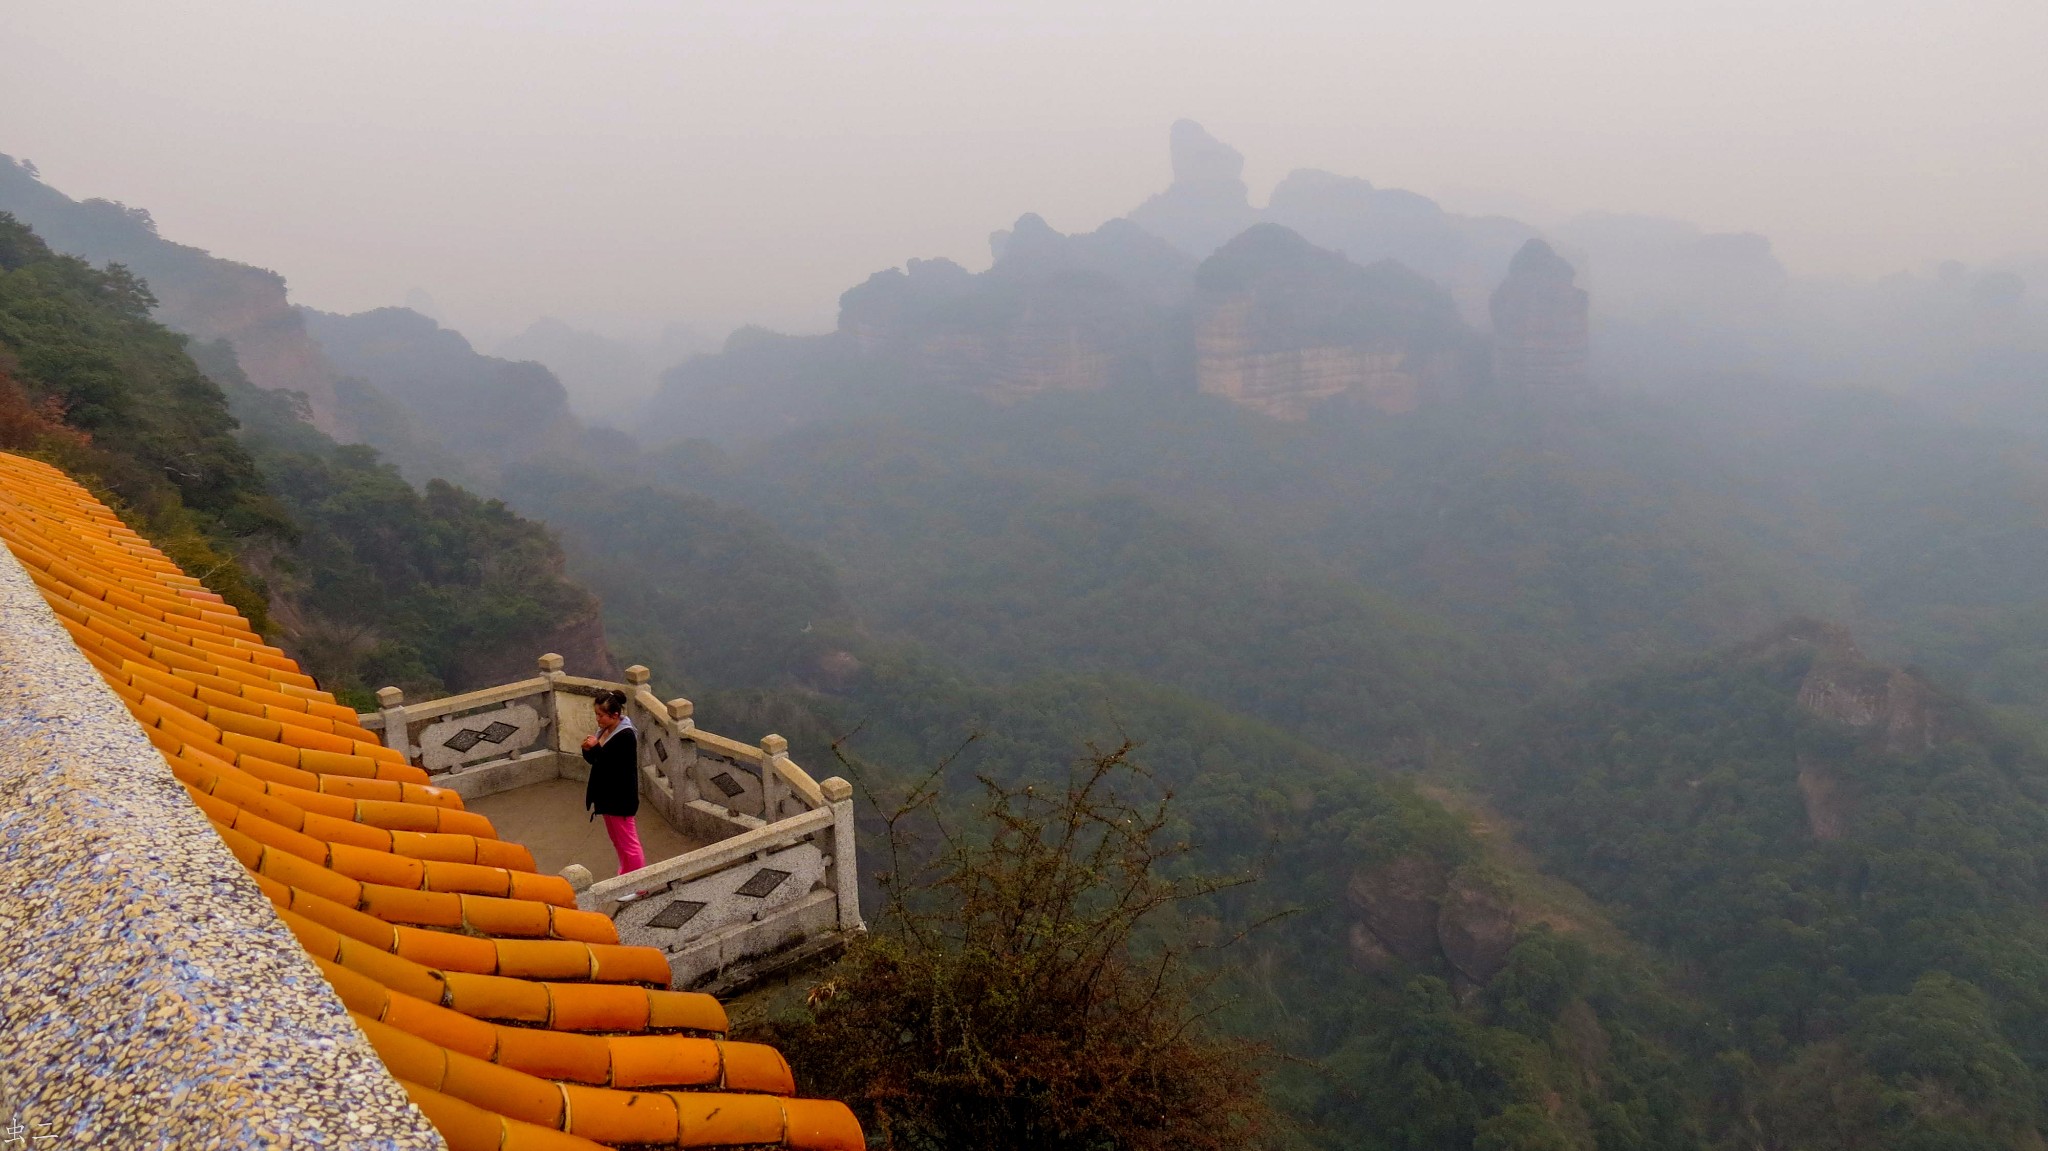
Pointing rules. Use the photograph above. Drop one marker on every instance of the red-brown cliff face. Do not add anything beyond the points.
(1540, 339)
(1282, 327)
(1887, 706)
(249, 309)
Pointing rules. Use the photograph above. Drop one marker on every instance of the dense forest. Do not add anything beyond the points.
(367, 580)
(1536, 824)
(1842, 860)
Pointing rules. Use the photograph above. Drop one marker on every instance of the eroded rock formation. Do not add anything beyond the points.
(1540, 339)
(1282, 327)
(1887, 703)
(1887, 706)
(1475, 928)
(1207, 203)
(1054, 313)
(1397, 905)
(1411, 910)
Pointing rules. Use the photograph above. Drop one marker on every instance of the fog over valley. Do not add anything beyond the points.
(634, 165)
(1394, 576)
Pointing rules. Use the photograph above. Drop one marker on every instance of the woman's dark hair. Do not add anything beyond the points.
(612, 700)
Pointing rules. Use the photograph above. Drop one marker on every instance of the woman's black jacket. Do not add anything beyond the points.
(614, 787)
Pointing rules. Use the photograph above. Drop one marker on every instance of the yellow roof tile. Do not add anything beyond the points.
(515, 1020)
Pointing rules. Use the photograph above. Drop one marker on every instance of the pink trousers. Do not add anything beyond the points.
(625, 841)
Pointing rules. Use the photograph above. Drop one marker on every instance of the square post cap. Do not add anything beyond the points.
(550, 662)
(681, 709)
(835, 789)
(774, 745)
(638, 675)
(389, 697)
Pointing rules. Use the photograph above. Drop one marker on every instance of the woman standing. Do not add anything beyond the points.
(614, 788)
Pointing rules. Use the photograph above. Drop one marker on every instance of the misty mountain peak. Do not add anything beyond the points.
(1539, 261)
(1199, 158)
(1540, 327)
(1207, 202)
(1028, 233)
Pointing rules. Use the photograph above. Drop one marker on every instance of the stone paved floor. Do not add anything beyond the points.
(549, 819)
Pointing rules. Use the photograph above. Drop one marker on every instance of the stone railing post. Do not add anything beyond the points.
(774, 749)
(550, 666)
(845, 875)
(391, 703)
(688, 779)
(639, 692)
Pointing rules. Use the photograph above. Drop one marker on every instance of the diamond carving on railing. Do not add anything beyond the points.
(763, 883)
(727, 784)
(469, 737)
(687, 913)
(460, 740)
(676, 914)
(661, 749)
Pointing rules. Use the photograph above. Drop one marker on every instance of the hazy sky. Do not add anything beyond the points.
(652, 161)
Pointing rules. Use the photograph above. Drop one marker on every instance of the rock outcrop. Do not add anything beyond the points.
(1887, 703)
(1411, 910)
(1284, 327)
(1054, 313)
(1207, 203)
(1540, 334)
(1466, 254)
(1397, 907)
(1475, 927)
(197, 293)
(1886, 706)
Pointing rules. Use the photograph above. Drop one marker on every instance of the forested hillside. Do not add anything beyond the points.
(365, 579)
(1550, 851)
(1842, 860)
(88, 380)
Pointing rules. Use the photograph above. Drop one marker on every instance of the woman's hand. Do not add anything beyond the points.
(589, 741)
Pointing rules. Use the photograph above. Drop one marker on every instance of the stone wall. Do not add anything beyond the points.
(149, 994)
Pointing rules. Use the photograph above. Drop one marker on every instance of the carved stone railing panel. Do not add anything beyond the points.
(501, 732)
(673, 916)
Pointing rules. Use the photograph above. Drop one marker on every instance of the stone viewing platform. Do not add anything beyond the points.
(763, 875)
(232, 916)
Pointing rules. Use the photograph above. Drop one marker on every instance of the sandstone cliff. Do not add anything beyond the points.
(1054, 312)
(1416, 911)
(1540, 339)
(1283, 327)
(1887, 708)
(1886, 704)
(1207, 203)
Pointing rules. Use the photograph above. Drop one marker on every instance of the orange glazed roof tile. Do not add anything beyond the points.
(513, 1019)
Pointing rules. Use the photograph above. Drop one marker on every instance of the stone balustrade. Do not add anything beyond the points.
(777, 882)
